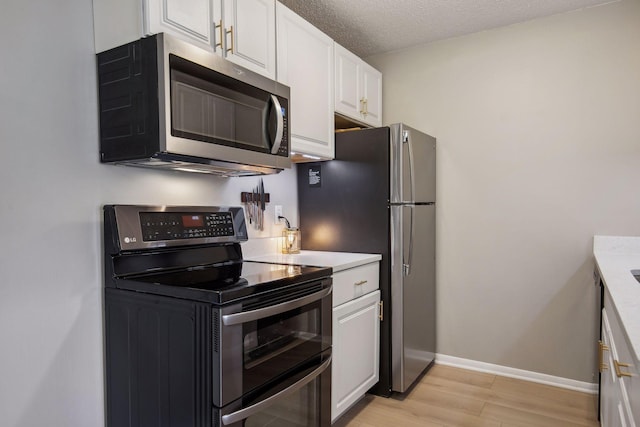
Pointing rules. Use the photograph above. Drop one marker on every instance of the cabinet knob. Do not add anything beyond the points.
(362, 282)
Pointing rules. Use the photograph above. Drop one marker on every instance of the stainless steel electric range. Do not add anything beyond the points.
(195, 336)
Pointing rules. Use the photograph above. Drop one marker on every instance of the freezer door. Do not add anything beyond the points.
(413, 310)
(413, 165)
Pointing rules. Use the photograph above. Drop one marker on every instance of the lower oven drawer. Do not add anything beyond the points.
(299, 399)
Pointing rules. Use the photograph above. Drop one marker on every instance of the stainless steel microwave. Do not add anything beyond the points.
(167, 104)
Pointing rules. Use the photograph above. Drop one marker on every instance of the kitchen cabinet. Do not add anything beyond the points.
(305, 64)
(190, 20)
(620, 384)
(243, 31)
(619, 347)
(356, 335)
(358, 88)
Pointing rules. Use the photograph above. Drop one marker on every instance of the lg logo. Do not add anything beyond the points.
(129, 239)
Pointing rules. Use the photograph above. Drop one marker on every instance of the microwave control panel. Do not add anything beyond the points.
(284, 146)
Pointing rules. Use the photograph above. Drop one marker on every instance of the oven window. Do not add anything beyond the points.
(282, 341)
(301, 409)
(270, 338)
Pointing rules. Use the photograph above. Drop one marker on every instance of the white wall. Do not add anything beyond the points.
(52, 190)
(538, 128)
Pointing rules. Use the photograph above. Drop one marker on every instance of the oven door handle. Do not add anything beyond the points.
(261, 313)
(240, 415)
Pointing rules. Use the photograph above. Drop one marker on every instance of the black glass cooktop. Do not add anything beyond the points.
(222, 283)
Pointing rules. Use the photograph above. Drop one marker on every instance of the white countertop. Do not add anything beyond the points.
(616, 257)
(336, 260)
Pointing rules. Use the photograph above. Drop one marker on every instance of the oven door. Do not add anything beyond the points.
(263, 338)
(301, 399)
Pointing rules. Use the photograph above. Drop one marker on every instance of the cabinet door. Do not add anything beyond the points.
(250, 34)
(372, 94)
(305, 64)
(190, 20)
(348, 100)
(358, 92)
(356, 342)
(617, 396)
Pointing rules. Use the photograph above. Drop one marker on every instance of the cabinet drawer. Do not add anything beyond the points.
(355, 282)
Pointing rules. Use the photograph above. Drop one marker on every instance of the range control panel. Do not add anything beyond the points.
(147, 227)
(185, 225)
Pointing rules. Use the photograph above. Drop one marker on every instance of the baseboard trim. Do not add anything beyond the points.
(505, 371)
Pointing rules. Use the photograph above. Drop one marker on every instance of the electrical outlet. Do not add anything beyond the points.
(277, 212)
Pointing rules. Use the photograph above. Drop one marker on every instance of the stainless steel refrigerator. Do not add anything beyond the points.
(378, 196)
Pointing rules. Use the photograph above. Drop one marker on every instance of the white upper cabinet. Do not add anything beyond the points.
(348, 100)
(188, 19)
(243, 31)
(372, 94)
(305, 64)
(358, 88)
(248, 30)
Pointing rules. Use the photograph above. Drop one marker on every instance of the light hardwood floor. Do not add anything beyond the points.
(447, 396)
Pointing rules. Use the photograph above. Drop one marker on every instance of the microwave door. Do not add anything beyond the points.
(239, 115)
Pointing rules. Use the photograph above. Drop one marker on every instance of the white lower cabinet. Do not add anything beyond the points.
(620, 384)
(356, 335)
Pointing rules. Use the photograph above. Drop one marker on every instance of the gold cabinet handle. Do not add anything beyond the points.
(381, 316)
(219, 26)
(619, 365)
(230, 31)
(362, 105)
(362, 282)
(366, 107)
(602, 348)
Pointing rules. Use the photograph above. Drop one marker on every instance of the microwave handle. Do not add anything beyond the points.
(280, 125)
(260, 406)
(261, 313)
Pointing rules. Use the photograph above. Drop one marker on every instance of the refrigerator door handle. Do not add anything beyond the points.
(407, 140)
(406, 264)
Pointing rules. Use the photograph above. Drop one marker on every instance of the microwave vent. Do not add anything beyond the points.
(196, 165)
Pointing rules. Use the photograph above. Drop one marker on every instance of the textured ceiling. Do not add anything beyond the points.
(368, 27)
